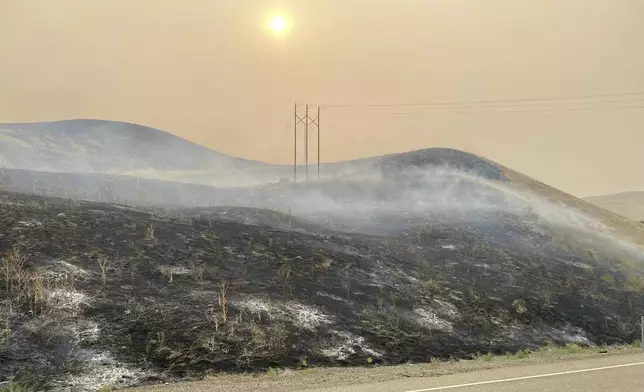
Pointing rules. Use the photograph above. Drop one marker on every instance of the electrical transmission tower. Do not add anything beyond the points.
(309, 121)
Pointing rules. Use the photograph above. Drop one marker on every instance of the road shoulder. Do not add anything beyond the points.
(424, 375)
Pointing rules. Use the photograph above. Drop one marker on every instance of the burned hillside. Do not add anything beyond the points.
(98, 293)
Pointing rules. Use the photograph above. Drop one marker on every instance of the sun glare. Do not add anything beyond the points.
(279, 25)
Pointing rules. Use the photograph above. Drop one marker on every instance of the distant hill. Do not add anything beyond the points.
(628, 204)
(112, 148)
(98, 146)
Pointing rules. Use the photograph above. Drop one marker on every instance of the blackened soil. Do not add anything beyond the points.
(433, 289)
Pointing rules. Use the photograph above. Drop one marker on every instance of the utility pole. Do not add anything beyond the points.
(309, 122)
(295, 122)
(306, 145)
(318, 124)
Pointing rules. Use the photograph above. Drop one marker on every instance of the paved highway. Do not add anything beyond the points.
(623, 373)
(620, 374)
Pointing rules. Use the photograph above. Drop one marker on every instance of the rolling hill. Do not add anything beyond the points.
(115, 149)
(434, 253)
(109, 147)
(628, 204)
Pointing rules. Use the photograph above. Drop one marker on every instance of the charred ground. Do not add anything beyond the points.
(112, 294)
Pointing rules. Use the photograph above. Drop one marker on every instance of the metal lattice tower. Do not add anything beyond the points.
(309, 121)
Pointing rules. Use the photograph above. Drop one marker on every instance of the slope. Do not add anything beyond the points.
(628, 204)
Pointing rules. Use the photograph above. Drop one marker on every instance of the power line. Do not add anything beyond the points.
(493, 101)
(522, 104)
(572, 103)
(536, 110)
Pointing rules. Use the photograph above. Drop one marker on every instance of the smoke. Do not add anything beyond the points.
(119, 162)
(446, 195)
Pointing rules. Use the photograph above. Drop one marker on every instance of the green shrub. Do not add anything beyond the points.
(519, 306)
(522, 354)
(272, 372)
(17, 387)
(574, 348)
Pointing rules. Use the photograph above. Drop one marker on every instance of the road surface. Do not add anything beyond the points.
(623, 373)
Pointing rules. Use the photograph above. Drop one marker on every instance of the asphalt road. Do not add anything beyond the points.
(624, 373)
(579, 376)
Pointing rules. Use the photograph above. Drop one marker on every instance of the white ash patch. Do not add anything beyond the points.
(66, 300)
(526, 333)
(180, 270)
(573, 335)
(307, 317)
(579, 339)
(347, 346)
(412, 279)
(204, 293)
(385, 275)
(31, 223)
(255, 305)
(578, 264)
(88, 331)
(429, 319)
(377, 279)
(132, 209)
(71, 268)
(174, 270)
(100, 369)
(455, 297)
(302, 316)
(60, 269)
(334, 297)
(402, 275)
(496, 321)
(446, 309)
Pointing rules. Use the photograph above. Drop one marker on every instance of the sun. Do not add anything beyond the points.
(279, 25)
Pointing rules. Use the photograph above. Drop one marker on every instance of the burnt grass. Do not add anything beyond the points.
(489, 283)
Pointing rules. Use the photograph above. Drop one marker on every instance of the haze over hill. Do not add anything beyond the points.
(628, 204)
(119, 162)
(109, 147)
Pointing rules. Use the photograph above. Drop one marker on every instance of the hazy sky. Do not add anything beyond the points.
(207, 70)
